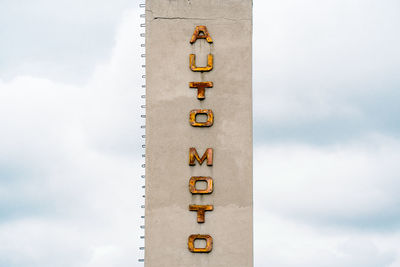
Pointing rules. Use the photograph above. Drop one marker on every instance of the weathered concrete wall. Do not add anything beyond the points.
(169, 27)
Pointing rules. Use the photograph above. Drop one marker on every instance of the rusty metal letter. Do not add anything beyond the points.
(201, 88)
(201, 211)
(201, 32)
(193, 67)
(195, 112)
(193, 155)
(209, 243)
(192, 185)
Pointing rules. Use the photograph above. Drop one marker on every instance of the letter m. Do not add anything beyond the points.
(193, 155)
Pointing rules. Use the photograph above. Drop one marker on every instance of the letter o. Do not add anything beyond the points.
(207, 249)
(195, 112)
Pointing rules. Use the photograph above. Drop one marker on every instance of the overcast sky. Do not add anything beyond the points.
(326, 133)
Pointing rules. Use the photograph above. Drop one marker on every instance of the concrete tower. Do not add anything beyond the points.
(199, 202)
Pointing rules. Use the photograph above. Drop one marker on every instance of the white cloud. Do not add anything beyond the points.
(326, 154)
(57, 39)
(70, 158)
(318, 60)
(345, 184)
(284, 243)
(333, 205)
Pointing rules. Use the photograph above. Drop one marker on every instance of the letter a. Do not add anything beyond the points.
(201, 33)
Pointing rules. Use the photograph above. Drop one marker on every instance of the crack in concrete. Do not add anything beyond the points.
(185, 18)
(172, 18)
(188, 18)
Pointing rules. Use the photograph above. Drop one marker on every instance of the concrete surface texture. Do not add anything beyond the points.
(168, 221)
